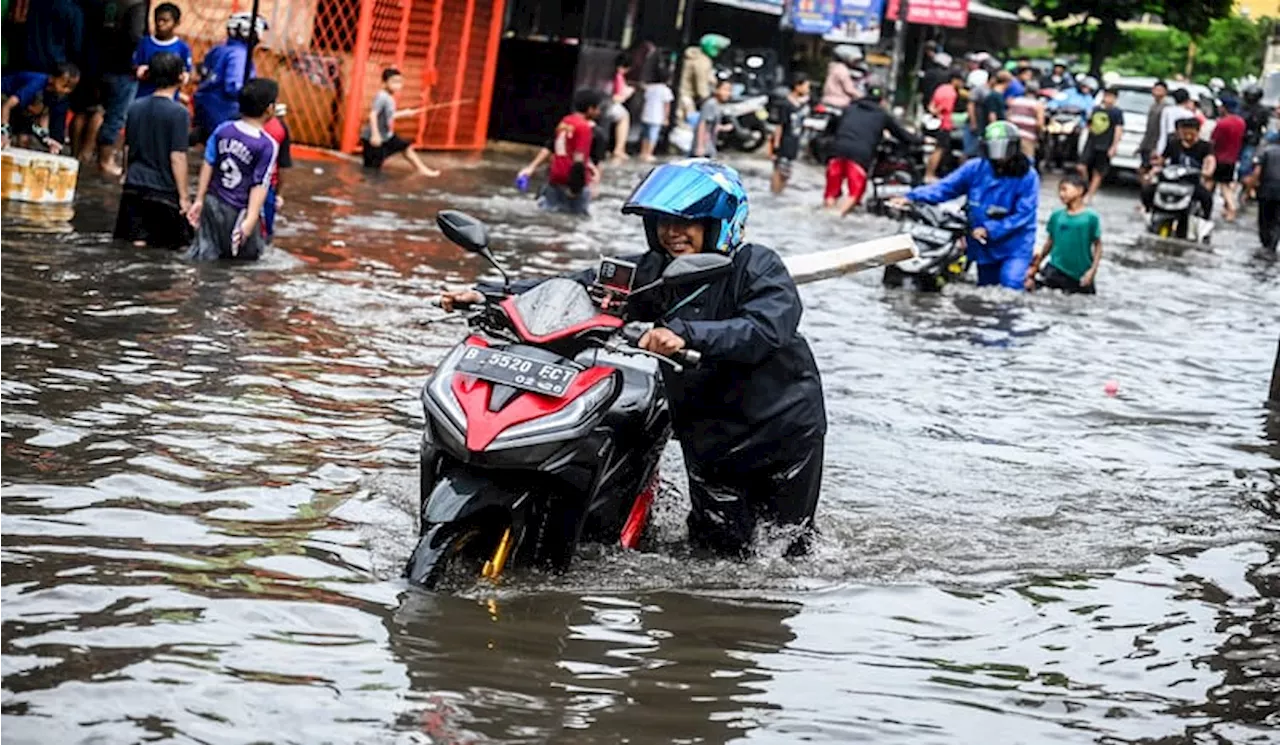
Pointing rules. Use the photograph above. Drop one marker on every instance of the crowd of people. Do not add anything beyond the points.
(119, 85)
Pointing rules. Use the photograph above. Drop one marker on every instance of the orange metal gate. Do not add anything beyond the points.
(328, 56)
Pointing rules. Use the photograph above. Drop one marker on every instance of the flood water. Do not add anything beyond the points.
(209, 485)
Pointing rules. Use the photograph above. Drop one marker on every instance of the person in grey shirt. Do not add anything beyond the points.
(378, 137)
(709, 120)
(1159, 90)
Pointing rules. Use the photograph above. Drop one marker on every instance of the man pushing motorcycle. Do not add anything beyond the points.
(750, 419)
(1003, 192)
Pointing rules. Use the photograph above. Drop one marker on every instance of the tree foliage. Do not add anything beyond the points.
(1231, 48)
(1099, 34)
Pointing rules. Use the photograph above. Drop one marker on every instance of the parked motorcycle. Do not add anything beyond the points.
(1062, 135)
(939, 232)
(749, 117)
(819, 134)
(544, 428)
(1176, 213)
(897, 168)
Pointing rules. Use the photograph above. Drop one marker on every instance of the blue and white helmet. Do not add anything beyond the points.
(694, 189)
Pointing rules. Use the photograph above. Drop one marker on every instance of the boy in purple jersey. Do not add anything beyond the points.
(234, 178)
(164, 39)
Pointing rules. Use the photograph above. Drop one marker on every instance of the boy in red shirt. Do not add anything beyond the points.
(572, 170)
(1228, 139)
(277, 130)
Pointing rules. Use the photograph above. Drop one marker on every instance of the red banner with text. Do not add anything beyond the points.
(953, 13)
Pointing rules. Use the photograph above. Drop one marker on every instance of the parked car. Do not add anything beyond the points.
(1135, 101)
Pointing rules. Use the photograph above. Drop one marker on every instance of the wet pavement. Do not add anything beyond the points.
(209, 480)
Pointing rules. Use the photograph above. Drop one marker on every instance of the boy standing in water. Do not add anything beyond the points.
(786, 138)
(709, 127)
(1074, 245)
(156, 137)
(656, 112)
(164, 39)
(379, 138)
(243, 157)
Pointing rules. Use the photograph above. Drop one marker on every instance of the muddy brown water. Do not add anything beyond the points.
(209, 477)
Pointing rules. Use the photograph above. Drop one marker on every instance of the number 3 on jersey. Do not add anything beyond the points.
(231, 176)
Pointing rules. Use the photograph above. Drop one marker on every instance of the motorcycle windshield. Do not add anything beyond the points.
(553, 305)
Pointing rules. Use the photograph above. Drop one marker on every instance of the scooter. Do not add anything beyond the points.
(819, 131)
(544, 428)
(898, 168)
(1175, 211)
(749, 118)
(939, 232)
(1063, 136)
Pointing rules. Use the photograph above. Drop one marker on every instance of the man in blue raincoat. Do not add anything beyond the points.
(1003, 192)
(222, 74)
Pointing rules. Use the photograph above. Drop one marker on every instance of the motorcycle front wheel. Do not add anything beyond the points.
(446, 556)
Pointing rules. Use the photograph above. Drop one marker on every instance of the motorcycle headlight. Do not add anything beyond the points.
(563, 424)
(438, 398)
(1054, 128)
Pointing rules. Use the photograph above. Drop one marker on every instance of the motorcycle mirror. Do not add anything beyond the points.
(695, 268)
(996, 212)
(464, 230)
(471, 235)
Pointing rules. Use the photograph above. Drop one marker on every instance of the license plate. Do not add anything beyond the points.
(517, 371)
(892, 190)
(811, 122)
(930, 234)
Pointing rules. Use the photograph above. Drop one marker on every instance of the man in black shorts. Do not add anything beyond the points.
(1106, 125)
(786, 138)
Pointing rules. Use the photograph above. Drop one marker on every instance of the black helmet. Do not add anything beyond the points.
(1252, 94)
(1188, 122)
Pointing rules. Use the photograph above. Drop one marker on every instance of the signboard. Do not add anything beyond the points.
(772, 7)
(857, 22)
(953, 13)
(813, 16)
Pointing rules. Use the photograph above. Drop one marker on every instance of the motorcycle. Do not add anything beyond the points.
(1062, 133)
(545, 426)
(1175, 212)
(939, 233)
(898, 168)
(749, 117)
(819, 131)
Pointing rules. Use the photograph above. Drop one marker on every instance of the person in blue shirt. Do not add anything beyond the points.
(1003, 192)
(166, 18)
(222, 74)
(29, 97)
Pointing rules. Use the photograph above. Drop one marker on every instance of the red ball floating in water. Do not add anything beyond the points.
(1111, 387)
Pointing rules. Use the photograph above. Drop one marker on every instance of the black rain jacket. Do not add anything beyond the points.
(860, 130)
(756, 398)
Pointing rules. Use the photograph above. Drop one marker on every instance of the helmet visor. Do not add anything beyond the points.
(1000, 148)
(681, 192)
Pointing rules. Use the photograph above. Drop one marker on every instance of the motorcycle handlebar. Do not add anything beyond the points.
(688, 357)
